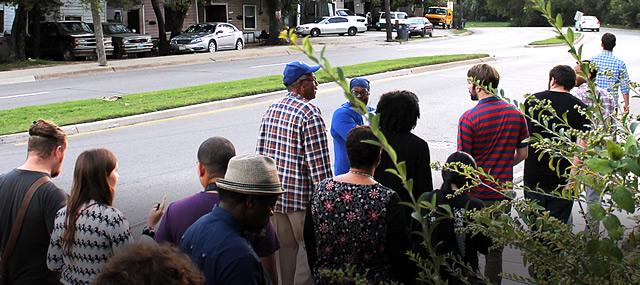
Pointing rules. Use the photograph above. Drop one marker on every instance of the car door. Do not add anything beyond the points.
(224, 36)
(342, 25)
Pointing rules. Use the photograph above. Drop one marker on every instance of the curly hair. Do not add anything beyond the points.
(147, 263)
(399, 111)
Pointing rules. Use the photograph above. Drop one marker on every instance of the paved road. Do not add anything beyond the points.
(503, 43)
(160, 157)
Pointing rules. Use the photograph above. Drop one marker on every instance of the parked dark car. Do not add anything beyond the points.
(420, 26)
(69, 40)
(125, 41)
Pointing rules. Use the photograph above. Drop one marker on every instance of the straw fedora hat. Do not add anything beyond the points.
(251, 174)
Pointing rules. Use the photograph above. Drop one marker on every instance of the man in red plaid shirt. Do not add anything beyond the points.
(293, 133)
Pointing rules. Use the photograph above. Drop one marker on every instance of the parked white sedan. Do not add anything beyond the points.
(209, 37)
(332, 25)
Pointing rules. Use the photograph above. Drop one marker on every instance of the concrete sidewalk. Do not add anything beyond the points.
(368, 39)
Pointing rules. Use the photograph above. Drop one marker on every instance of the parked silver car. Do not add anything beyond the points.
(209, 37)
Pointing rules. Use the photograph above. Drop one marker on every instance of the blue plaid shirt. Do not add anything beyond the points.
(607, 62)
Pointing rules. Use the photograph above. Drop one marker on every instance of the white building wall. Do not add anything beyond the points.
(9, 15)
(75, 8)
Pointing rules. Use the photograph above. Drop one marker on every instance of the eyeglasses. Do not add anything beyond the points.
(310, 79)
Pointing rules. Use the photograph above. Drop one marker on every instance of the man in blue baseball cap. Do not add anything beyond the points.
(346, 118)
(293, 133)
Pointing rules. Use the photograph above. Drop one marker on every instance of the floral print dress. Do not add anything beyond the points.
(347, 225)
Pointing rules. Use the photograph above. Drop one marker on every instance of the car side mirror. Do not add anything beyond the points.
(218, 32)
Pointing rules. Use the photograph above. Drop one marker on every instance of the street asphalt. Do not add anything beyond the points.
(159, 157)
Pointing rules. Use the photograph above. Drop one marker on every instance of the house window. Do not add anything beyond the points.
(250, 20)
(73, 18)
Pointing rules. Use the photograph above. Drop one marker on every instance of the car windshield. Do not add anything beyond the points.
(438, 11)
(76, 27)
(345, 13)
(415, 21)
(200, 28)
(116, 29)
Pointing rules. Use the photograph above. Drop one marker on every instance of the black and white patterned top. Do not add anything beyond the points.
(100, 230)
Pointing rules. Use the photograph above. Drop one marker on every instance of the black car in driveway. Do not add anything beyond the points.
(125, 41)
(69, 40)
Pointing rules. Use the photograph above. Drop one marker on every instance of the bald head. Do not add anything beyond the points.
(214, 154)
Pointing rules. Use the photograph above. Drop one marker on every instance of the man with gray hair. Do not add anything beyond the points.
(345, 118)
(293, 133)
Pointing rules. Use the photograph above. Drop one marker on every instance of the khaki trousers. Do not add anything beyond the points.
(293, 268)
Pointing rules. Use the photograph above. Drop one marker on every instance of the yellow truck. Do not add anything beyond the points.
(440, 16)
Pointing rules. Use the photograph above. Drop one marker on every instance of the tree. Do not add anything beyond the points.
(163, 48)
(275, 21)
(176, 10)
(97, 31)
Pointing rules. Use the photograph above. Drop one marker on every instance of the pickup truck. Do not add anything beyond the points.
(125, 41)
(69, 40)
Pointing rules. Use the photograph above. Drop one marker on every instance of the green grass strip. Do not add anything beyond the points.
(29, 63)
(477, 24)
(552, 41)
(89, 110)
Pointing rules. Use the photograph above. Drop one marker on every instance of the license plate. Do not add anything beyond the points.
(141, 46)
(181, 48)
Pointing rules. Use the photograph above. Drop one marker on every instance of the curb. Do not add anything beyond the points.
(577, 41)
(216, 105)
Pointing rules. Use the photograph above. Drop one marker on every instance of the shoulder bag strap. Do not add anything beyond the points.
(17, 225)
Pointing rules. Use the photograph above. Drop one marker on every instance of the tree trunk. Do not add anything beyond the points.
(387, 15)
(178, 14)
(18, 34)
(35, 30)
(275, 21)
(163, 48)
(97, 32)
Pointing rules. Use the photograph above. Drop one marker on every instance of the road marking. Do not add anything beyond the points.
(268, 65)
(24, 95)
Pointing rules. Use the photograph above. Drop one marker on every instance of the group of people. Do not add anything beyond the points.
(284, 215)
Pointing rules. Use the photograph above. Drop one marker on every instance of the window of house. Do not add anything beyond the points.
(250, 22)
(73, 18)
(1, 22)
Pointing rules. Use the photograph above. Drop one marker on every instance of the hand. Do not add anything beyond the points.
(156, 212)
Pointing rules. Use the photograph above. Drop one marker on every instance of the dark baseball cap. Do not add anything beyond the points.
(295, 70)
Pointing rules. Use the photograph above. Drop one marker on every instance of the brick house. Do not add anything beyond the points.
(248, 16)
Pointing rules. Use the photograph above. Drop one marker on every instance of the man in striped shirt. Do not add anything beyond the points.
(493, 133)
(293, 133)
(612, 72)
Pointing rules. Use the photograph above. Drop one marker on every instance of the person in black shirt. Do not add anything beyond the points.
(446, 236)
(537, 174)
(46, 149)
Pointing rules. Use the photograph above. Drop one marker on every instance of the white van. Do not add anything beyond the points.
(401, 17)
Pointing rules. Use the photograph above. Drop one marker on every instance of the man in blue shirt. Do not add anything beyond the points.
(612, 72)
(346, 118)
(217, 242)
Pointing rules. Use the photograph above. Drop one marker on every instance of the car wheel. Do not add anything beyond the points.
(315, 32)
(581, 29)
(67, 55)
(239, 44)
(352, 31)
(597, 30)
(212, 46)
(424, 33)
(577, 29)
(430, 34)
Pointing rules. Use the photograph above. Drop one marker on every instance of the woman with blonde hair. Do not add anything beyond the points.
(88, 230)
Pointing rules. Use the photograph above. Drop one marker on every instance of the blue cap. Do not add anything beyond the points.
(359, 82)
(295, 69)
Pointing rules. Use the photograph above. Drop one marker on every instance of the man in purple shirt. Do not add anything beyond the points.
(213, 156)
